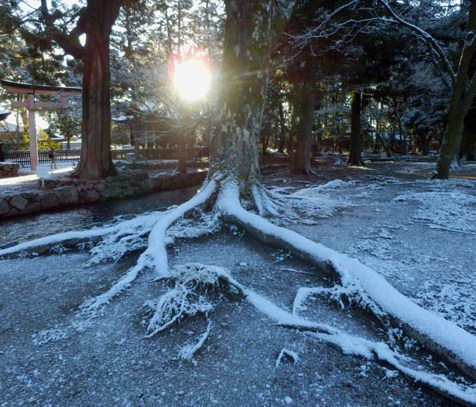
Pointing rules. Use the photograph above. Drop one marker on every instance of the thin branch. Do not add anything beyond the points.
(325, 29)
(427, 38)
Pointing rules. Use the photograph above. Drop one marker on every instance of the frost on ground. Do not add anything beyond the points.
(445, 205)
(421, 237)
(382, 226)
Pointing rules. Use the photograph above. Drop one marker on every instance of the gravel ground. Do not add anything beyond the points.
(52, 356)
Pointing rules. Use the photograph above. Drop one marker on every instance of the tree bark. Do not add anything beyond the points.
(355, 154)
(468, 142)
(283, 129)
(234, 143)
(96, 158)
(464, 92)
(301, 160)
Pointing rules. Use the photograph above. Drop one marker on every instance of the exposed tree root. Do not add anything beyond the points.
(157, 239)
(187, 352)
(156, 253)
(286, 354)
(142, 224)
(196, 284)
(456, 345)
(183, 301)
(350, 344)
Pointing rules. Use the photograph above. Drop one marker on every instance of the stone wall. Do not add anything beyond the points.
(62, 193)
(89, 191)
(177, 181)
(9, 170)
(24, 203)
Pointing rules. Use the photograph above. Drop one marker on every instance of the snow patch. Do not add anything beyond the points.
(453, 210)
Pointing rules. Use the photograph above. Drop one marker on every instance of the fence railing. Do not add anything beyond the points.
(72, 156)
(159, 153)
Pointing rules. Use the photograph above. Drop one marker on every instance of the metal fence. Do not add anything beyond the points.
(23, 157)
(72, 156)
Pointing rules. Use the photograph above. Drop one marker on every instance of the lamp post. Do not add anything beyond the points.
(191, 78)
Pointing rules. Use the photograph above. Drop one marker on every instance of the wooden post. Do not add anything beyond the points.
(32, 132)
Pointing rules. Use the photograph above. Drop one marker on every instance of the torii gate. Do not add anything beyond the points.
(33, 105)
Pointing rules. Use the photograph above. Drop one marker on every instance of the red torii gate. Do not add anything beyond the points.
(31, 91)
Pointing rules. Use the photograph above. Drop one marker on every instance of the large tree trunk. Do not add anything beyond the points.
(301, 160)
(464, 92)
(452, 137)
(234, 144)
(96, 159)
(355, 154)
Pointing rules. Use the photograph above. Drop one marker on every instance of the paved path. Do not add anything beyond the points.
(27, 180)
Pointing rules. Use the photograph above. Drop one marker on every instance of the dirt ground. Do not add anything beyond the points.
(52, 356)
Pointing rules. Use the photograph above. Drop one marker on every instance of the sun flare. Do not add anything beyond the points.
(192, 79)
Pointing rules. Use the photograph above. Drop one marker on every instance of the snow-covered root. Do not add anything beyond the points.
(439, 335)
(264, 201)
(187, 352)
(92, 305)
(195, 287)
(127, 237)
(157, 248)
(286, 354)
(354, 345)
(76, 237)
(155, 256)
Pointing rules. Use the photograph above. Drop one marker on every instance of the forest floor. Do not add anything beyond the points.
(419, 234)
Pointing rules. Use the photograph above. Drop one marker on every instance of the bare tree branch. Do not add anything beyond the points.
(353, 26)
(426, 37)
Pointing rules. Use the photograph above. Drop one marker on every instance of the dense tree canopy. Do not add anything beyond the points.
(402, 56)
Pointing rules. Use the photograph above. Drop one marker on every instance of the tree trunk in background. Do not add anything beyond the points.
(464, 92)
(96, 159)
(468, 143)
(283, 129)
(301, 159)
(250, 28)
(355, 154)
(292, 134)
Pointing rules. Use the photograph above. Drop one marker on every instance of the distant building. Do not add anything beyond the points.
(9, 131)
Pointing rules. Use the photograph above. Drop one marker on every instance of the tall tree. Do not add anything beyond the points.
(301, 158)
(302, 71)
(250, 29)
(355, 154)
(468, 143)
(95, 21)
(462, 97)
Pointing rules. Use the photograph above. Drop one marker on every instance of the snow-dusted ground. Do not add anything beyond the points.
(419, 234)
